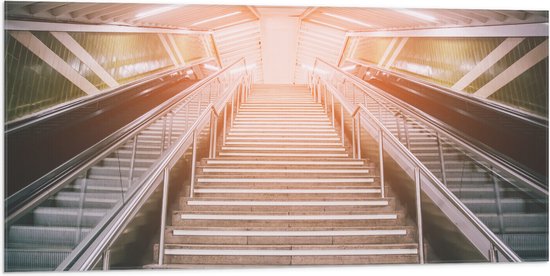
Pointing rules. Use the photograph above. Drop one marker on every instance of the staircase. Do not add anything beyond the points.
(44, 236)
(521, 222)
(284, 190)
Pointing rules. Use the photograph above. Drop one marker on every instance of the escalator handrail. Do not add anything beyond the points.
(492, 157)
(30, 121)
(39, 190)
(517, 114)
(491, 237)
(105, 234)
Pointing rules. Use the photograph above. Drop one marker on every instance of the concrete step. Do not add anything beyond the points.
(291, 255)
(293, 236)
(208, 204)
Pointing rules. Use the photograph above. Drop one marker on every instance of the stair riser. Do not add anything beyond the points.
(290, 260)
(281, 223)
(260, 240)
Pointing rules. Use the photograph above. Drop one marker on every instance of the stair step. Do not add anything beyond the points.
(286, 203)
(321, 171)
(282, 162)
(289, 191)
(285, 180)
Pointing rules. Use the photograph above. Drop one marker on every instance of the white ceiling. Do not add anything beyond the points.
(279, 41)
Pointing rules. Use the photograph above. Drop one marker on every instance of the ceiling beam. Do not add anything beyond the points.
(482, 19)
(254, 11)
(40, 7)
(66, 9)
(516, 30)
(521, 15)
(307, 12)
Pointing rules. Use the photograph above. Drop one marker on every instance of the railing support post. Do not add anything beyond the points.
(224, 123)
(353, 148)
(406, 133)
(419, 214)
(132, 161)
(332, 107)
(342, 123)
(381, 161)
(107, 259)
(163, 133)
(441, 158)
(193, 162)
(166, 184)
(358, 135)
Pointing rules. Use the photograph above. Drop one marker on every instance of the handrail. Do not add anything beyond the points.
(509, 254)
(106, 233)
(495, 242)
(41, 189)
(57, 110)
(531, 118)
(489, 156)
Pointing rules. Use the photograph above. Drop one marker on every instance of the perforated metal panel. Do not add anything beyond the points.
(242, 40)
(316, 41)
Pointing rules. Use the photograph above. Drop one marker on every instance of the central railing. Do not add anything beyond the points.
(233, 82)
(331, 86)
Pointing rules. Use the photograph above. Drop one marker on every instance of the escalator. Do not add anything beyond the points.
(80, 124)
(57, 221)
(510, 199)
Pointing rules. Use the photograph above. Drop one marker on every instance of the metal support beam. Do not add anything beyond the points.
(81, 53)
(516, 30)
(387, 52)
(44, 53)
(175, 48)
(396, 52)
(519, 67)
(167, 48)
(499, 52)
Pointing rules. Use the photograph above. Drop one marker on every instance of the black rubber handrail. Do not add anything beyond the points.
(528, 117)
(35, 189)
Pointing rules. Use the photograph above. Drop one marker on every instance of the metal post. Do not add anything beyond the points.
(164, 119)
(493, 254)
(232, 109)
(398, 128)
(332, 106)
(211, 133)
(441, 158)
(163, 213)
(83, 188)
(406, 133)
(358, 135)
(353, 136)
(170, 129)
(106, 259)
(187, 115)
(419, 215)
(215, 136)
(193, 161)
(498, 202)
(224, 123)
(342, 122)
(132, 161)
(381, 160)
(199, 105)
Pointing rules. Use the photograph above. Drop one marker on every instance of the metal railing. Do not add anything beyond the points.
(329, 82)
(134, 175)
(234, 84)
(24, 195)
